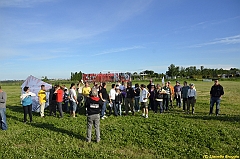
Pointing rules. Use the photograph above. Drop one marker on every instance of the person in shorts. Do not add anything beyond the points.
(73, 100)
(144, 99)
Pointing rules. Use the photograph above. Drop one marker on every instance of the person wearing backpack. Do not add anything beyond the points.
(158, 99)
(66, 98)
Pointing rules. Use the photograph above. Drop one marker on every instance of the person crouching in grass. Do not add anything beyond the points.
(93, 106)
(192, 96)
(26, 99)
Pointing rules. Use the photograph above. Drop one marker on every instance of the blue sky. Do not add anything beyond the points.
(55, 37)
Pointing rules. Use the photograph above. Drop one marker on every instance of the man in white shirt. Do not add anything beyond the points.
(112, 95)
(192, 96)
(73, 100)
(144, 94)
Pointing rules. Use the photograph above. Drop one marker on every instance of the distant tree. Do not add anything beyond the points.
(156, 75)
(149, 72)
(44, 78)
(172, 70)
(77, 76)
(182, 72)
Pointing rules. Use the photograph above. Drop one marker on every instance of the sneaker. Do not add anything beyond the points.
(105, 116)
(143, 115)
(102, 117)
(146, 116)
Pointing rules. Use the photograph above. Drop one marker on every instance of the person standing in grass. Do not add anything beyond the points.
(149, 86)
(26, 99)
(166, 96)
(73, 100)
(42, 100)
(216, 93)
(52, 101)
(105, 98)
(59, 98)
(123, 91)
(178, 93)
(118, 101)
(185, 95)
(172, 93)
(93, 105)
(112, 95)
(86, 91)
(192, 96)
(65, 100)
(3, 100)
(137, 97)
(144, 94)
(129, 98)
(152, 97)
(158, 99)
(79, 95)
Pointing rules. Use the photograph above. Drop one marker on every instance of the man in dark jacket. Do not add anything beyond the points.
(94, 106)
(129, 98)
(216, 93)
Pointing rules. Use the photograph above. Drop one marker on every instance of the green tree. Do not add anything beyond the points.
(172, 70)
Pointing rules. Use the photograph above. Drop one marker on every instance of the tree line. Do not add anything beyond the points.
(202, 72)
(179, 72)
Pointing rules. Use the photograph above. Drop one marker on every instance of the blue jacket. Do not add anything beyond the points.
(27, 101)
(185, 91)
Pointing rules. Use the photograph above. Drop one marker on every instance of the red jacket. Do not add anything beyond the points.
(59, 96)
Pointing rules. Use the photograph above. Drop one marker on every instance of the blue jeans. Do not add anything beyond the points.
(73, 106)
(3, 118)
(214, 100)
(165, 103)
(137, 103)
(119, 108)
(159, 104)
(115, 108)
(104, 108)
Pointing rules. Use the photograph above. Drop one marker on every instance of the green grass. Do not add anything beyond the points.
(169, 135)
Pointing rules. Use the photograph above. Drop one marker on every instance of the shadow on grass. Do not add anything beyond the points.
(17, 109)
(51, 127)
(227, 118)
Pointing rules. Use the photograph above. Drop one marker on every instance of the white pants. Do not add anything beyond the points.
(42, 107)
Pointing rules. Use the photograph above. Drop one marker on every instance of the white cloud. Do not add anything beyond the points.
(227, 40)
(111, 51)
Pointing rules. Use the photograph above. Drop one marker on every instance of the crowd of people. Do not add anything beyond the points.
(98, 103)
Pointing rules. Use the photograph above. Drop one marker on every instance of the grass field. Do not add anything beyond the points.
(169, 135)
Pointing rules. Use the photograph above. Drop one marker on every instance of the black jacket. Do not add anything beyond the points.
(130, 92)
(93, 105)
(118, 98)
(217, 91)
